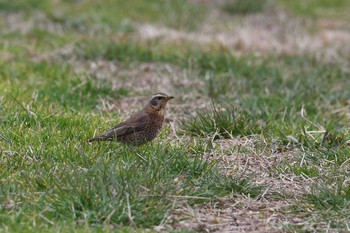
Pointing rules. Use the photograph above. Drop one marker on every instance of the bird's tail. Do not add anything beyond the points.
(95, 139)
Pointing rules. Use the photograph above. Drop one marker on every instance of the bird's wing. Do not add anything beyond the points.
(134, 124)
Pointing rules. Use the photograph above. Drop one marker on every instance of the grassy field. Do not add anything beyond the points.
(257, 138)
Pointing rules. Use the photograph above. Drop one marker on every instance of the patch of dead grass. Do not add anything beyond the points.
(274, 32)
(271, 211)
(240, 214)
(19, 22)
(145, 79)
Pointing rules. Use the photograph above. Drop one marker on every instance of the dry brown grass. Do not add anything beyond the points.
(272, 211)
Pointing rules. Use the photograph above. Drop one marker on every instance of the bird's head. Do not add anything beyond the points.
(158, 101)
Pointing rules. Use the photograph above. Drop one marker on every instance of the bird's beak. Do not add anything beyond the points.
(170, 97)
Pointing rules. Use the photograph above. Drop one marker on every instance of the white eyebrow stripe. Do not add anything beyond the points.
(159, 95)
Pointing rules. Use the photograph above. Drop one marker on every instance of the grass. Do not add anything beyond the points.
(225, 123)
(318, 9)
(67, 68)
(244, 6)
(66, 179)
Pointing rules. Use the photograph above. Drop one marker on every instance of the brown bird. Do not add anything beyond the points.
(142, 126)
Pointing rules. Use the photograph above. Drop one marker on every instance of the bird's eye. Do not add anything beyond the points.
(154, 102)
(159, 98)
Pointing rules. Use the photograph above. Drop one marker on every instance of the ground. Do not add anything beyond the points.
(257, 138)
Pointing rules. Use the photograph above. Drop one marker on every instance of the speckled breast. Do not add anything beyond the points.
(148, 133)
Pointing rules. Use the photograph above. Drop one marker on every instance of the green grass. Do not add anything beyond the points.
(325, 198)
(225, 123)
(244, 6)
(66, 179)
(54, 84)
(319, 8)
(102, 16)
(290, 106)
(52, 180)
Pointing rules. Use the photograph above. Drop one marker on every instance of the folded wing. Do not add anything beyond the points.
(134, 124)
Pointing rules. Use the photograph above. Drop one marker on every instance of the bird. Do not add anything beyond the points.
(141, 127)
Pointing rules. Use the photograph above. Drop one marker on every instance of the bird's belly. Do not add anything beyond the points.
(152, 131)
(147, 134)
